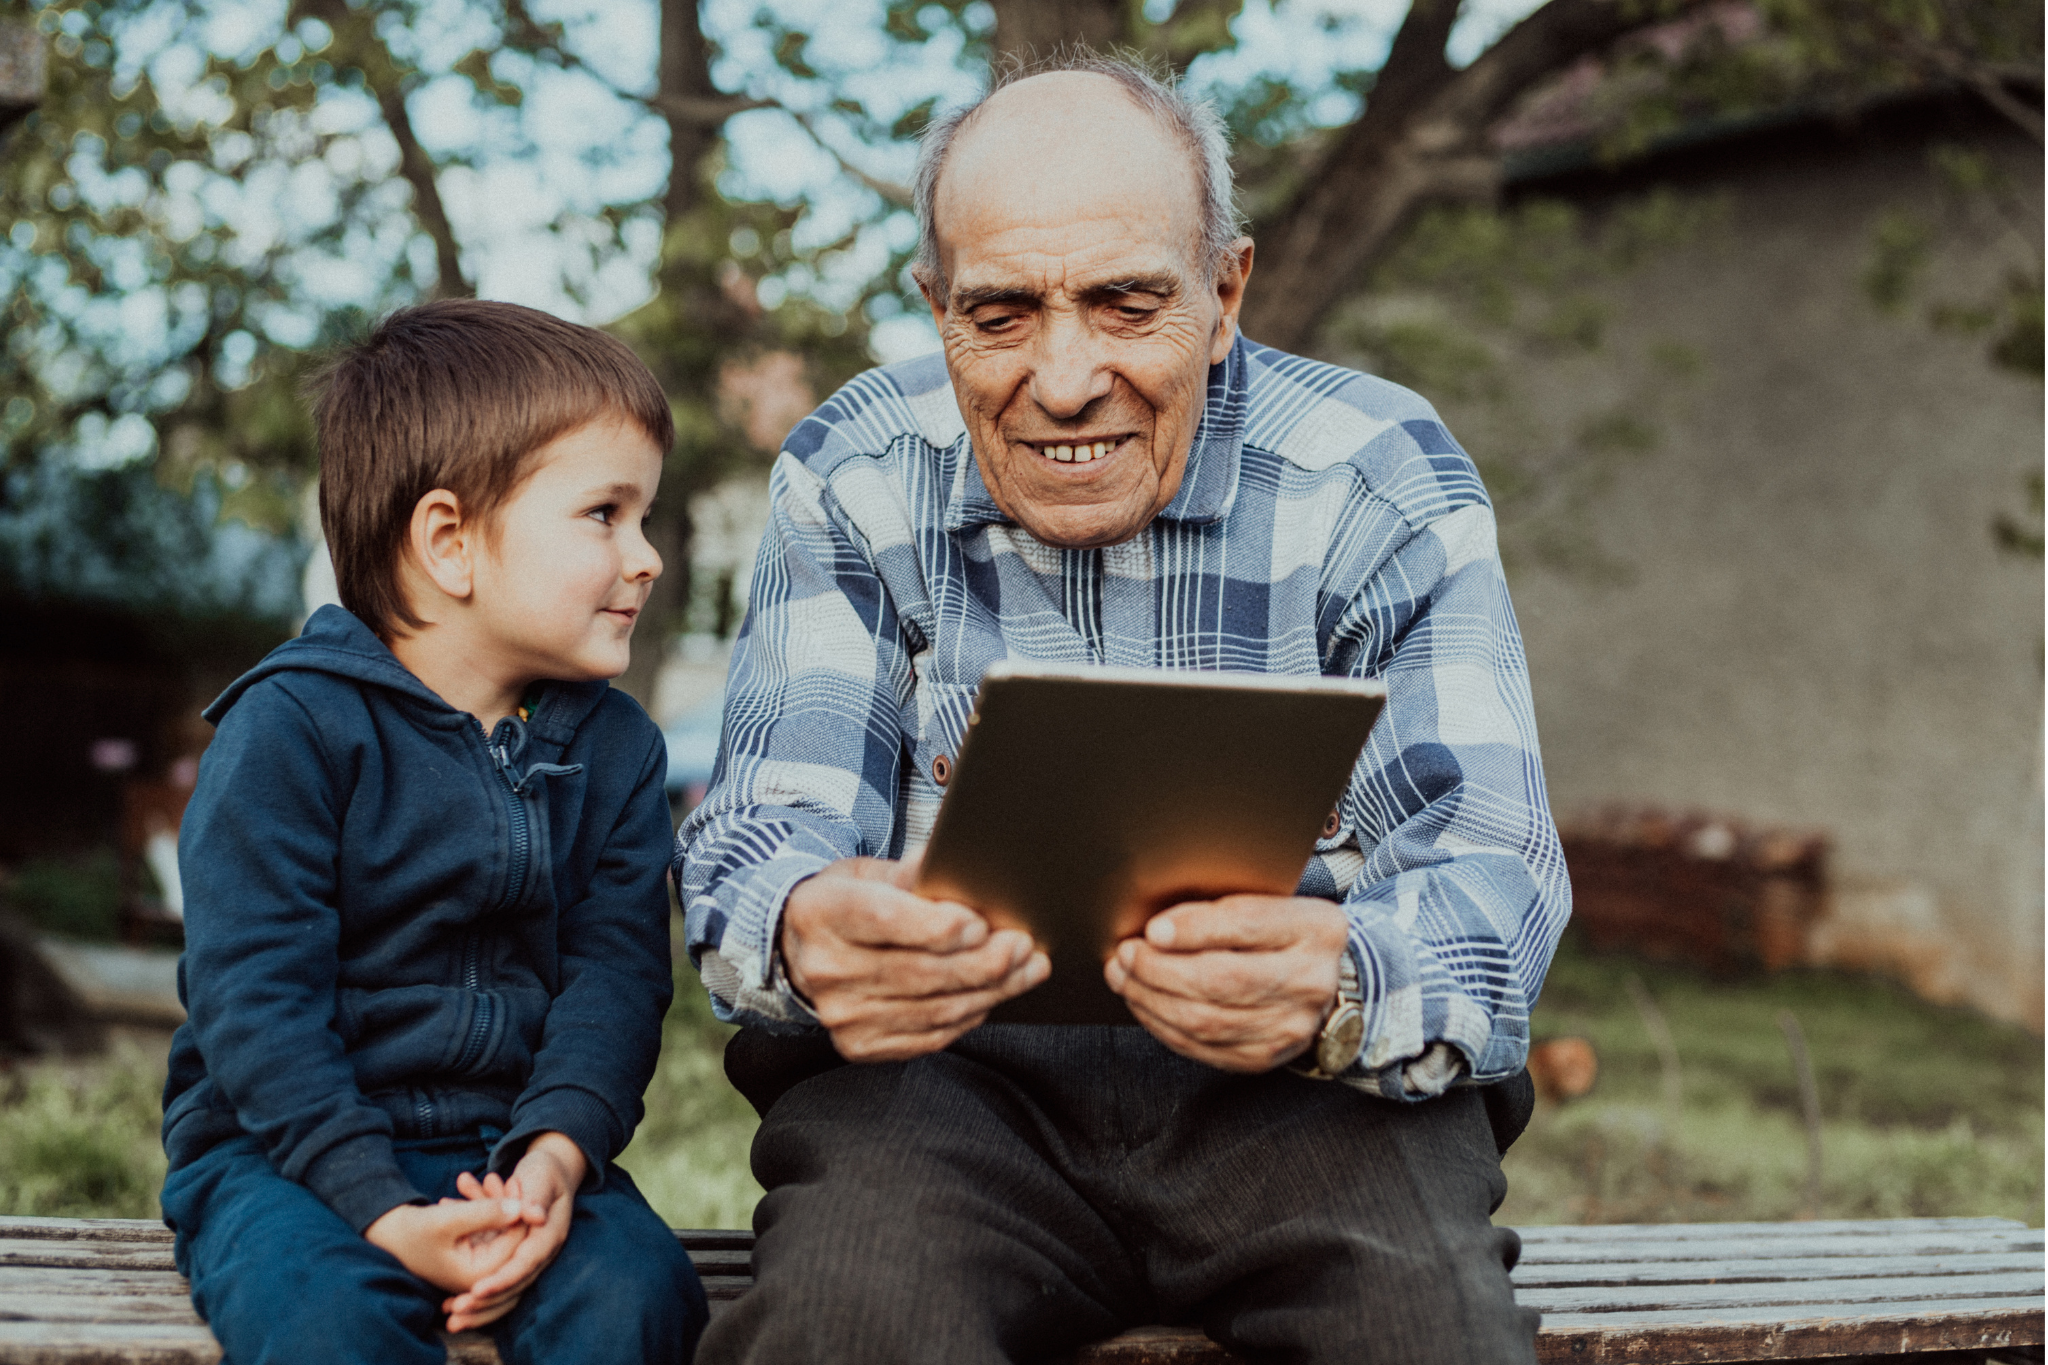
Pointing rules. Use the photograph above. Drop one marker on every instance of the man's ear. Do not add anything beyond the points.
(443, 545)
(934, 295)
(1231, 274)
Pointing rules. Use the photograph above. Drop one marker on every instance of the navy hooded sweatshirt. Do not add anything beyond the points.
(396, 926)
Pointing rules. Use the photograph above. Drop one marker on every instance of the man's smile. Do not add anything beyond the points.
(1071, 451)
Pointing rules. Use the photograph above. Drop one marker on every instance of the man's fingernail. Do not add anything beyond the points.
(1160, 931)
(510, 1206)
(1126, 954)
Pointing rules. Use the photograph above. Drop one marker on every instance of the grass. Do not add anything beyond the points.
(1925, 1111)
(79, 1140)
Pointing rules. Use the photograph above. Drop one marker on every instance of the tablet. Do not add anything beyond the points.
(1085, 799)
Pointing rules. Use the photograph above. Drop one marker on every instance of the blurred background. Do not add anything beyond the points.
(1737, 304)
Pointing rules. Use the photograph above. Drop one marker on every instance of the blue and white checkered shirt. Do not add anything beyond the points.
(1327, 523)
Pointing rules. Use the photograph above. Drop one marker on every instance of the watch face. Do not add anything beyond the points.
(1337, 1048)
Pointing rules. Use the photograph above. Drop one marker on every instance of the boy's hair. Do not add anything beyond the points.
(456, 394)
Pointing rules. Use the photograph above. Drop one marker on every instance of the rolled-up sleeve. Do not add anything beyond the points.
(1456, 887)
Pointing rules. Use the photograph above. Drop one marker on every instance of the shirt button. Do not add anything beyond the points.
(1332, 825)
(942, 768)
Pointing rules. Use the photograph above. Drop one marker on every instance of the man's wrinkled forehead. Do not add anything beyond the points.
(1062, 150)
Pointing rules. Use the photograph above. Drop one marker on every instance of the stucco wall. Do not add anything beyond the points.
(1820, 631)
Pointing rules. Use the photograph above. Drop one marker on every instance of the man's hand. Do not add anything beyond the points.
(1242, 983)
(892, 975)
(544, 1186)
(453, 1244)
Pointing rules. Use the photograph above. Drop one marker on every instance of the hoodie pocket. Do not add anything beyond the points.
(410, 1033)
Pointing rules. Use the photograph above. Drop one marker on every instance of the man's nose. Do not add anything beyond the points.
(1070, 372)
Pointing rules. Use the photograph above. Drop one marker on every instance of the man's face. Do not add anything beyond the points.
(1078, 322)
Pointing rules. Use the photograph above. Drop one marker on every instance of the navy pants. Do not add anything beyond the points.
(282, 1280)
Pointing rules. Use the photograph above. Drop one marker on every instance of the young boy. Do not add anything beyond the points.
(427, 948)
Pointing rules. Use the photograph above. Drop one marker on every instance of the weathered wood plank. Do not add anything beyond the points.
(1678, 1232)
(89, 1229)
(1775, 1300)
(85, 1255)
(1765, 1270)
(1897, 1244)
(1664, 1293)
(1680, 1337)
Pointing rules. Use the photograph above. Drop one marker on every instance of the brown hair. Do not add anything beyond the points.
(456, 394)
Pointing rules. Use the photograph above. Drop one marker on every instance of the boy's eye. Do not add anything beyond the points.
(604, 513)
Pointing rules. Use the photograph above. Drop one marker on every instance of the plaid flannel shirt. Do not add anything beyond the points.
(1326, 523)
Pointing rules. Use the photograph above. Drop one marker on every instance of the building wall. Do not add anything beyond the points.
(1818, 629)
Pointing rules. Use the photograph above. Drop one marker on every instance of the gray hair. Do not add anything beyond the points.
(1194, 121)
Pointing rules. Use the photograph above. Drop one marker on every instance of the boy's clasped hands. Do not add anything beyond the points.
(490, 1245)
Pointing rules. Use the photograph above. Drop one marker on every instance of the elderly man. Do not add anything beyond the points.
(1103, 470)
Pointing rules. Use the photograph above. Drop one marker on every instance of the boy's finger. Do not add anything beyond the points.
(466, 1185)
(477, 1215)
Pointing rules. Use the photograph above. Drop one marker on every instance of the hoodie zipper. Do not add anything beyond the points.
(522, 829)
(486, 1005)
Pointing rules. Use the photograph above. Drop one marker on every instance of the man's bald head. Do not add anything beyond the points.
(1083, 105)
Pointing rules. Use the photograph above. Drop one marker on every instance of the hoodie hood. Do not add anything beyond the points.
(336, 641)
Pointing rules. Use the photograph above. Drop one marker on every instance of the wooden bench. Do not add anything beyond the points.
(1952, 1290)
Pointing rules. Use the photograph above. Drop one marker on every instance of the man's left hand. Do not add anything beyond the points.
(1242, 983)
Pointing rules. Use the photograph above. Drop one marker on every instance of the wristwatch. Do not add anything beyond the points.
(1343, 1033)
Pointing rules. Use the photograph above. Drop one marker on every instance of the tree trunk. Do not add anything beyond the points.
(1028, 30)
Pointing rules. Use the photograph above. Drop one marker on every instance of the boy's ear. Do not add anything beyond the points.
(444, 544)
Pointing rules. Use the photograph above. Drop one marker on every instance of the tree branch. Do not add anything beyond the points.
(894, 193)
(1423, 127)
(355, 30)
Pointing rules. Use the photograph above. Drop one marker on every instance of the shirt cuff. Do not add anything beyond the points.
(360, 1180)
(744, 971)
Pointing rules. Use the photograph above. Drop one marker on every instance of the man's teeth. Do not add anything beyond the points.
(1079, 454)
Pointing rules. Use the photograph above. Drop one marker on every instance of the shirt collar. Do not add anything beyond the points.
(1208, 487)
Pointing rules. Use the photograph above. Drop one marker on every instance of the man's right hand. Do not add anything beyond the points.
(892, 975)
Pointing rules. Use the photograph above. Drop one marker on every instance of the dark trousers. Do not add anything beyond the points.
(282, 1280)
(1032, 1189)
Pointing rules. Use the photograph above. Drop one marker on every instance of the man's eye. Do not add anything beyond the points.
(997, 322)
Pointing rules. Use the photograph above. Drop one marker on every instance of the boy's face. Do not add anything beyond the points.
(561, 581)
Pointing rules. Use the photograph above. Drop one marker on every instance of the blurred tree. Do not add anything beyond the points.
(196, 208)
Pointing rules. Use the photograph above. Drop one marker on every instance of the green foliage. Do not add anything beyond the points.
(1899, 248)
(2020, 533)
(1474, 296)
(1926, 1111)
(77, 897)
(81, 1141)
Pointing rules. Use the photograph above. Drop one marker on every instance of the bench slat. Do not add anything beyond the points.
(1763, 1270)
(1785, 1300)
(103, 1292)
(1679, 1232)
(1697, 1249)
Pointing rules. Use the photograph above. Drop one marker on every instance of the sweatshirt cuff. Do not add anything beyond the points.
(360, 1180)
(578, 1115)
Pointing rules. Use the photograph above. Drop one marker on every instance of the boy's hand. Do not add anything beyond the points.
(545, 1183)
(454, 1243)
